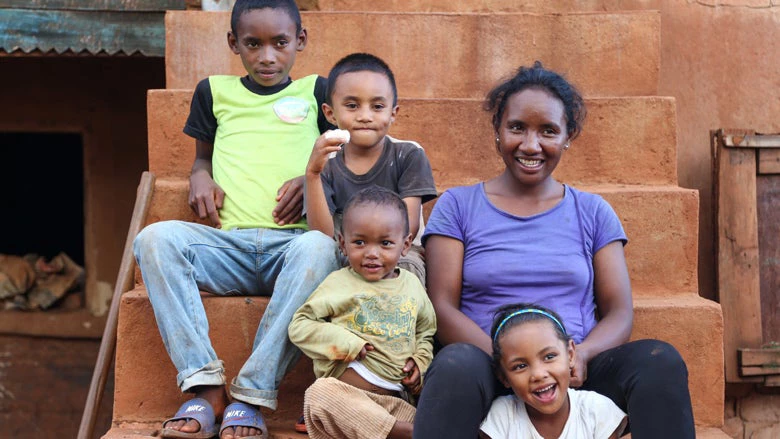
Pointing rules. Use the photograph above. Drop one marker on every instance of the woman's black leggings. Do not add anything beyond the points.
(645, 378)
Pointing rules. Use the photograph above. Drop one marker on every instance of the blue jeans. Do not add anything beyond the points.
(178, 259)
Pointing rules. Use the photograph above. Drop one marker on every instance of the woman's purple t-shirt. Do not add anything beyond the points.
(544, 259)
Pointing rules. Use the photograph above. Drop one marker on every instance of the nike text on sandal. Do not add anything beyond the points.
(239, 414)
(199, 410)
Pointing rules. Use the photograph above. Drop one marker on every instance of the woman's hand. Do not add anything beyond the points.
(579, 372)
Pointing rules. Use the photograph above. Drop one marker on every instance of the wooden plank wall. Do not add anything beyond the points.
(737, 259)
(768, 195)
(769, 161)
(747, 195)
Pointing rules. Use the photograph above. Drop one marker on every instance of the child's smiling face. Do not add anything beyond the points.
(267, 41)
(536, 364)
(362, 103)
(373, 240)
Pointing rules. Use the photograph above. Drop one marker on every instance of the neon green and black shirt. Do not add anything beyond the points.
(262, 137)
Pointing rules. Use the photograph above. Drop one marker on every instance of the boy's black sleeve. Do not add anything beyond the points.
(201, 123)
(320, 90)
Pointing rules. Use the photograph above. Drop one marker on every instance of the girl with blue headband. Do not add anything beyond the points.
(533, 355)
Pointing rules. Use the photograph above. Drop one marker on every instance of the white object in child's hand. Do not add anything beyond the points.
(341, 135)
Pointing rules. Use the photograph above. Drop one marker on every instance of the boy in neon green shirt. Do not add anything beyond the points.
(253, 138)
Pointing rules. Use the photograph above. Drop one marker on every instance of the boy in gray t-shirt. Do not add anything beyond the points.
(362, 100)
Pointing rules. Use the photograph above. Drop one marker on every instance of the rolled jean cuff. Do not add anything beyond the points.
(265, 398)
(212, 374)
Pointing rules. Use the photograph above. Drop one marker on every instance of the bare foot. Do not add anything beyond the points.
(215, 395)
(243, 413)
(239, 432)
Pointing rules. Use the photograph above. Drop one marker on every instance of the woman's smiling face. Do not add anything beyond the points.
(531, 135)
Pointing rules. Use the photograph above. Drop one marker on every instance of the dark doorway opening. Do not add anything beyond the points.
(43, 182)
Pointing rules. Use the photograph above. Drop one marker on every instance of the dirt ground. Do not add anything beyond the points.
(43, 386)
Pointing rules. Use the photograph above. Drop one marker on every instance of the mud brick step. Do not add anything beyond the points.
(146, 393)
(457, 55)
(625, 140)
(492, 6)
(145, 385)
(660, 221)
(694, 326)
(147, 431)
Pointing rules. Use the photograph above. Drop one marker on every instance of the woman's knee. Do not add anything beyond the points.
(661, 360)
(460, 363)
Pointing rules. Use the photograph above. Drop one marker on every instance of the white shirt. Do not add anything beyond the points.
(591, 416)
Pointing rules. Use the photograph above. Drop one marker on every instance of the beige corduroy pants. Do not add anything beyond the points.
(334, 409)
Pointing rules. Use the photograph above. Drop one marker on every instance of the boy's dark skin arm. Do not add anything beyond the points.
(413, 206)
(206, 196)
(317, 210)
(289, 199)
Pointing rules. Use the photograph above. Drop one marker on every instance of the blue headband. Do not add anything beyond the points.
(527, 311)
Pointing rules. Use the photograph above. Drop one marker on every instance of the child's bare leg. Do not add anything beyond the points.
(401, 430)
(215, 395)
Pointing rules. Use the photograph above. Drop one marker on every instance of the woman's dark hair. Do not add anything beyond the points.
(243, 6)
(537, 77)
(509, 316)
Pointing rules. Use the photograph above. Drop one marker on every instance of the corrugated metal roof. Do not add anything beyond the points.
(94, 26)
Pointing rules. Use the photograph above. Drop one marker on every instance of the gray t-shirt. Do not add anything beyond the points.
(402, 168)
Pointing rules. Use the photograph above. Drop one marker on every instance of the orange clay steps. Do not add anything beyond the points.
(494, 6)
(661, 222)
(145, 390)
(629, 140)
(145, 387)
(457, 55)
(445, 62)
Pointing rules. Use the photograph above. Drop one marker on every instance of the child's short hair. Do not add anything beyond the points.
(509, 316)
(537, 77)
(359, 62)
(377, 196)
(243, 6)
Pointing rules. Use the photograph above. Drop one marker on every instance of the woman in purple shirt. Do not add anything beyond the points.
(525, 237)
